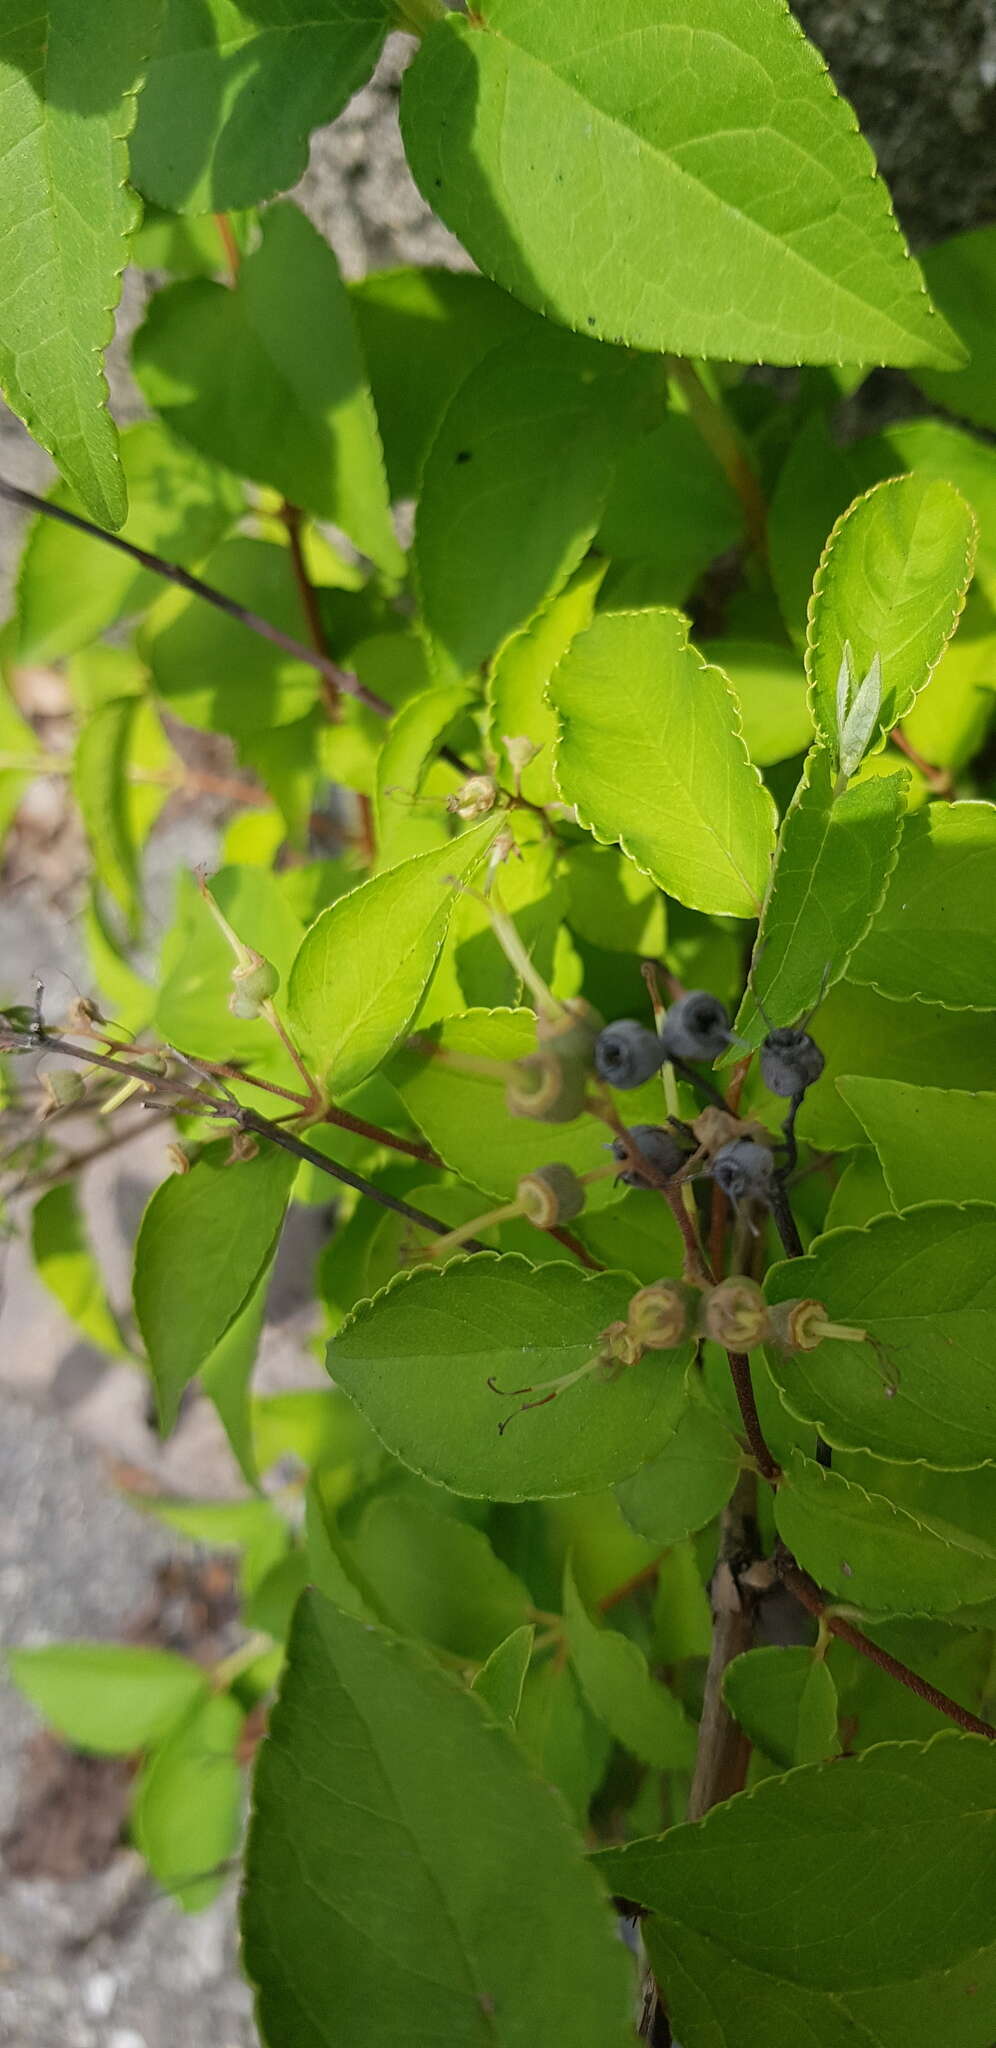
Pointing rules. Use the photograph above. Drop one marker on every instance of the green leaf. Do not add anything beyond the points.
(923, 1285)
(234, 90)
(487, 1925)
(718, 135)
(515, 480)
(517, 685)
(831, 872)
(188, 1802)
(671, 509)
(71, 587)
(560, 1734)
(661, 767)
(413, 737)
(816, 483)
(64, 1262)
(489, 1317)
(117, 813)
(786, 1701)
(644, 1716)
(934, 939)
(935, 1144)
(266, 377)
(861, 1032)
(205, 1238)
(864, 1549)
(636, 1235)
(253, 1527)
(950, 719)
(225, 1376)
(935, 448)
(437, 1578)
(365, 963)
(104, 1696)
(861, 1191)
(126, 996)
(330, 1567)
(770, 688)
(687, 1483)
(891, 583)
(904, 1893)
(215, 673)
(196, 970)
(67, 84)
(499, 1682)
(195, 247)
(422, 332)
(316, 1425)
(961, 274)
(613, 905)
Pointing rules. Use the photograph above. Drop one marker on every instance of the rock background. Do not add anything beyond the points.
(106, 1963)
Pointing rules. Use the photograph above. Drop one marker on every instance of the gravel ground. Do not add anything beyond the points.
(106, 1963)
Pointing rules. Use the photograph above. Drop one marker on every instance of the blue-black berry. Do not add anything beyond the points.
(696, 1027)
(790, 1061)
(659, 1146)
(627, 1054)
(743, 1168)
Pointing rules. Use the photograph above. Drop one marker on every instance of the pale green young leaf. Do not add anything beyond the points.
(71, 587)
(786, 1702)
(935, 1144)
(364, 965)
(532, 888)
(499, 1682)
(961, 274)
(124, 994)
(234, 90)
(651, 752)
(719, 135)
(770, 687)
(316, 1425)
(561, 1736)
(816, 483)
(68, 79)
(490, 1901)
(891, 582)
(865, 1549)
(417, 1361)
(513, 487)
(687, 1483)
(266, 377)
(682, 1615)
(253, 1527)
(225, 1376)
(831, 873)
(213, 672)
(64, 1261)
(934, 939)
(612, 904)
(196, 963)
(517, 685)
(612, 1671)
(204, 1240)
(195, 246)
(437, 1578)
(121, 736)
(923, 1285)
(862, 1032)
(936, 448)
(107, 1697)
(413, 738)
(951, 717)
(187, 1803)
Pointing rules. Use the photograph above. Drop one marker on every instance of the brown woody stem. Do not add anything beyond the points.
(743, 1385)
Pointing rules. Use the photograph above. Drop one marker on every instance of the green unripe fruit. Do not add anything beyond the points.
(549, 1089)
(551, 1195)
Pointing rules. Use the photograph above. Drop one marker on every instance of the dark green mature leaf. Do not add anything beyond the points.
(660, 764)
(924, 1287)
(437, 1578)
(786, 1701)
(687, 1483)
(267, 377)
(934, 939)
(935, 1144)
(365, 963)
(513, 487)
(962, 275)
(213, 672)
(225, 1376)
(234, 90)
(105, 1696)
(671, 509)
(417, 1361)
(485, 1927)
(188, 1802)
(817, 482)
(831, 872)
(64, 1261)
(892, 583)
(68, 79)
(500, 1681)
(560, 1733)
(861, 1032)
(204, 1240)
(719, 135)
(636, 1235)
(863, 1548)
(70, 588)
(907, 1891)
(616, 1682)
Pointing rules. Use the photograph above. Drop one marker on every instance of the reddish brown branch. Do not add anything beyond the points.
(743, 1385)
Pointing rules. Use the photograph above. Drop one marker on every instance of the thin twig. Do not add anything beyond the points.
(743, 1385)
(940, 779)
(292, 516)
(644, 1577)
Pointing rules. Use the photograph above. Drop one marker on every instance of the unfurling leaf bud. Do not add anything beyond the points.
(571, 1032)
(550, 1195)
(549, 1089)
(252, 985)
(663, 1315)
(475, 797)
(61, 1089)
(736, 1315)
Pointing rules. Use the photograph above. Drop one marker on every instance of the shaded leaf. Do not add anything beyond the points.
(786, 1702)
(437, 1578)
(687, 1483)
(961, 274)
(934, 939)
(499, 1682)
(934, 1144)
(225, 1376)
(613, 1673)
(214, 672)
(863, 1548)
(861, 1032)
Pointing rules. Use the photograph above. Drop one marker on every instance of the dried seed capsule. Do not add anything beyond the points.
(697, 1027)
(627, 1054)
(62, 1087)
(550, 1089)
(550, 1195)
(664, 1315)
(619, 1346)
(659, 1146)
(475, 797)
(735, 1314)
(744, 1169)
(790, 1061)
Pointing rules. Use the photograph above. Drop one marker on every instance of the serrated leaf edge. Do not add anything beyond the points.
(831, 1481)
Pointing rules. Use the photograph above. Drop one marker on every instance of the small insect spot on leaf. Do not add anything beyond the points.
(847, 1569)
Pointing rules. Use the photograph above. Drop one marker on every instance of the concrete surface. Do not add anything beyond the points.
(107, 1963)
